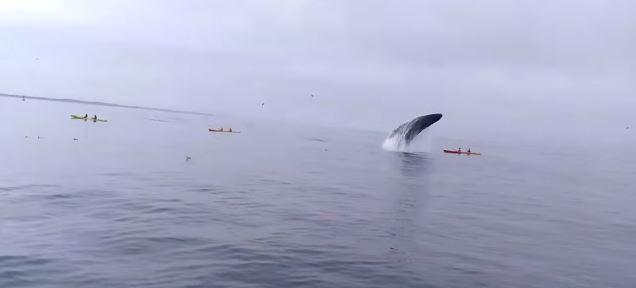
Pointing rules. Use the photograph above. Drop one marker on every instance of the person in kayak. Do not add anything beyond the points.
(468, 150)
(459, 149)
(85, 116)
(229, 130)
(95, 118)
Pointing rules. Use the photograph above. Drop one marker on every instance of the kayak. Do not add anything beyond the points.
(462, 152)
(222, 131)
(86, 118)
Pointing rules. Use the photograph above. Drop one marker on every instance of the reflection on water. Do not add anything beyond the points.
(414, 164)
(410, 188)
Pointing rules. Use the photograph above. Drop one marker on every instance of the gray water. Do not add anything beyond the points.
(289, 206)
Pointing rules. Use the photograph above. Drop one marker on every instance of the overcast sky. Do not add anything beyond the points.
(500, 66)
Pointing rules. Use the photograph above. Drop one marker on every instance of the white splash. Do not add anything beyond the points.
(421, 143)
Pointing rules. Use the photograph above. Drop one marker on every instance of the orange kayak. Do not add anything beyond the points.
(462, 152)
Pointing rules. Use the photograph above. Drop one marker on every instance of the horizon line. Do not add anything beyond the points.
(99, 103)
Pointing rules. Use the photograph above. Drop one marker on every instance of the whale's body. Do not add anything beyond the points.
(405, 133)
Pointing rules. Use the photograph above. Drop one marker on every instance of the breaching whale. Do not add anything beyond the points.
(405, 133)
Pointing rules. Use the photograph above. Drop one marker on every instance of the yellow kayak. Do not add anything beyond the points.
(87, 118)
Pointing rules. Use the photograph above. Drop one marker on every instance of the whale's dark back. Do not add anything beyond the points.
(412, 128)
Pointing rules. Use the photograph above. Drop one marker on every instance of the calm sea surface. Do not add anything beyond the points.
(287, 206)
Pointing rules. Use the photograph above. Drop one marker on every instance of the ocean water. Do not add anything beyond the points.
(291, 206)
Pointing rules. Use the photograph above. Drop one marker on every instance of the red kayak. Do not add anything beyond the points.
(462, 152)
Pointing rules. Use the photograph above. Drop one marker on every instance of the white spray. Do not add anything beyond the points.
(395, 142)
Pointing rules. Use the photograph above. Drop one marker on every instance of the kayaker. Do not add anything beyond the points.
(230, 130)
(459, 150)
(95, 118)
(468, 150)
(85, 116)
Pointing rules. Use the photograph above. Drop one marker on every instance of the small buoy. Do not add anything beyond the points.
(188, 158)
(75, 139)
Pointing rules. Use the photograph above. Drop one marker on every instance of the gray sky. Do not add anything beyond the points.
(495, 67)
